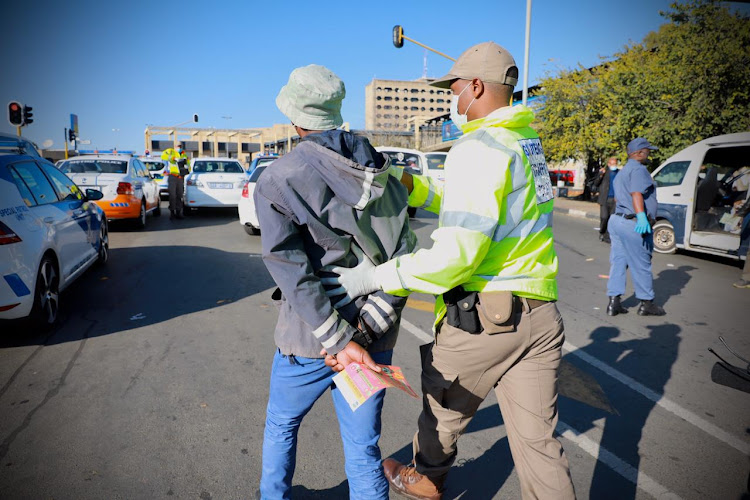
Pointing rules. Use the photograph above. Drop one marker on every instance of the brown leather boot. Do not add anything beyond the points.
(410, 483)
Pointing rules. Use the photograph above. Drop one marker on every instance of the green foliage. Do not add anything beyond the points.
(687, 81)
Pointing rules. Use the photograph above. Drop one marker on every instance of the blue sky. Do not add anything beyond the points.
(123, 65)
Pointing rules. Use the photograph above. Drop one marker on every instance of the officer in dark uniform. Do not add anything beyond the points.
(630, 231)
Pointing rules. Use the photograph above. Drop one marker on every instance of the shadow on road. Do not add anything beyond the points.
(131, 292)
(667, 284)
(203, 217)
(648, 359)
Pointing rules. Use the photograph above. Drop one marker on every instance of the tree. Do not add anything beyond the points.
(687, 81)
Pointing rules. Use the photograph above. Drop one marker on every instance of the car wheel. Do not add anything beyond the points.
(412, 211)
(140, 222)
(157, 210)
(252, 231)
(46, 306)
(664, 239)
(103, 243)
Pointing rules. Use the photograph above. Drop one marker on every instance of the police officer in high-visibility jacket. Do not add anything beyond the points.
(175, 180)
(493, 268)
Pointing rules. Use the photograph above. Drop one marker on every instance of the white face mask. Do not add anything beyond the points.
(613, 167)
(460, 119)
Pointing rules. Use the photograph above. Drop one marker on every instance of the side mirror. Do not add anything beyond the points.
(94, 194)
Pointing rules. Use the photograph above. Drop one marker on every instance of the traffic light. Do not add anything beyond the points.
(195, 118)
(28, 116)
(71, 135)
(15, 114)
(398, 36)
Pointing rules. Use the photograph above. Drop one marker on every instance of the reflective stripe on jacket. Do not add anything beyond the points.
(172, 156)
(495, 227)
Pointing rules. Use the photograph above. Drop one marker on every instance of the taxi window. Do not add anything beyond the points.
(36, 182)
(400, 159)
(65, 188)
(113, 166)
(672, 174)
(436, 162)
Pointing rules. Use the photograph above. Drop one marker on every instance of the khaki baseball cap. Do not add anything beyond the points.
(487, 61)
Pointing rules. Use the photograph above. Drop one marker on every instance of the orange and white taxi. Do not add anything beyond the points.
(129, 191)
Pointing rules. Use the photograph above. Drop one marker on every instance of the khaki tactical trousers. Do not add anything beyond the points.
(460, 369)
(176, 188)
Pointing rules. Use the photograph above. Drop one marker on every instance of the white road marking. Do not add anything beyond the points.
(416, 331)
(661, 400)
(640, 479)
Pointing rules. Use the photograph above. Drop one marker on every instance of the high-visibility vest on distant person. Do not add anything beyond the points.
(172, 156)
(495, 226)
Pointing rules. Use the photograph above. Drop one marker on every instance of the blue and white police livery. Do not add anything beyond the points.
(50, 233)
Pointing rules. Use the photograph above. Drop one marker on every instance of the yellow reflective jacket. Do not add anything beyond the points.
(495, 226)
(172, 156)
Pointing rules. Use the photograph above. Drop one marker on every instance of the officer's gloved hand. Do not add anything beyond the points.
(354, 282)
(642, 226)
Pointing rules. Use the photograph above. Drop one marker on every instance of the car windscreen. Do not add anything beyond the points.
(436, 161)
(256, 173)
(221, 167)
(264, 162)
(153, 165)
(94, 166)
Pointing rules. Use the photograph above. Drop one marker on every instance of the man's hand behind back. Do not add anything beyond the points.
(351, 353)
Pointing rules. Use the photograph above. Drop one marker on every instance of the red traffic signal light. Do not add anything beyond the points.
(15, 113)
(398, 36)
(28, 116)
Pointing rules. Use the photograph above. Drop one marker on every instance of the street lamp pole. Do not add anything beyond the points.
(526, 54)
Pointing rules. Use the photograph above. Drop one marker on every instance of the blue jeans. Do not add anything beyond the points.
(629, 250)
(296, 383)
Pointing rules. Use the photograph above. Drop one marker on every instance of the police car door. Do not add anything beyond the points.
(81, 231)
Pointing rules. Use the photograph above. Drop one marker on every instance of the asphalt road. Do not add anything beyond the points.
(155, 383)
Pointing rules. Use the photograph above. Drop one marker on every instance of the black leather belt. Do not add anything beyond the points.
(625, 216)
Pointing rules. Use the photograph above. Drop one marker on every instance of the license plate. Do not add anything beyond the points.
(221, 185)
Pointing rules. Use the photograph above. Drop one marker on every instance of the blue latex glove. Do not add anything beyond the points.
(642, 226)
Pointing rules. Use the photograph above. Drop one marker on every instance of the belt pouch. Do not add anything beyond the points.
(462, 310)
(496, 312)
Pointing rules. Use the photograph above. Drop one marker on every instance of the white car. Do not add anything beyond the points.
(246, 207)
(50, 233)
(157, 169)
(417, 163)
(214, 182)
(129, 191)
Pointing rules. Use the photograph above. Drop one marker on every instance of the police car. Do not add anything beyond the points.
(261, 161)
(157, 169)
(246, 206)
(129, 191)
(50, 233)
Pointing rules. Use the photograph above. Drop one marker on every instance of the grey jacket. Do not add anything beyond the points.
(331, 192)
